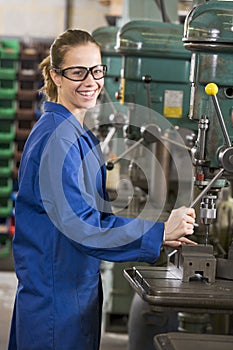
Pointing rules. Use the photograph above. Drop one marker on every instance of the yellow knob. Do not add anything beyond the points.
(211, 89)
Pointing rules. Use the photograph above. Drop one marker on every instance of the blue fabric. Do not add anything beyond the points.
(59, 297)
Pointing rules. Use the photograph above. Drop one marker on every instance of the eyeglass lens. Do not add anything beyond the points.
(80, 73)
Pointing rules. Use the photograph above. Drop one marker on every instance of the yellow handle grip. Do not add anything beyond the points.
(211, 89)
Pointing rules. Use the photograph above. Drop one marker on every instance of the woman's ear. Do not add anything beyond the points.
(56, 78)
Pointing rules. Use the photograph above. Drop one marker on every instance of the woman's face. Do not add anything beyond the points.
(76, 95)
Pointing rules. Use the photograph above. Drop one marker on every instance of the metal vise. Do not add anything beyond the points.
(198, 260)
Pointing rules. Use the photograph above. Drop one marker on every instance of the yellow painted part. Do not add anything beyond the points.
(211, 89)
(172, 112)
(122, 91)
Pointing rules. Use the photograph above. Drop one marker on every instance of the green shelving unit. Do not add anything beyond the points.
(9, 54)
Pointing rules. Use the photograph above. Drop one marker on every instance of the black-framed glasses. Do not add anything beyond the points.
(79, 73)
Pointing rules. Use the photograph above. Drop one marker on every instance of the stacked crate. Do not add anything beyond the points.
(29, 101)
(9, 52)
(26, 99)
(20, 108)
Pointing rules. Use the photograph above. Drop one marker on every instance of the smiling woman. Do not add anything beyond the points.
(64, 222)
(77, 89)
(74, 55)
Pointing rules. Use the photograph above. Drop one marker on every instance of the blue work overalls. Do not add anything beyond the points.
(64, 228)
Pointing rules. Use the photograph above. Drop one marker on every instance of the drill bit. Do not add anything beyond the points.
(207, 234)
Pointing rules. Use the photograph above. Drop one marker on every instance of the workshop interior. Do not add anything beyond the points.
(165, 123)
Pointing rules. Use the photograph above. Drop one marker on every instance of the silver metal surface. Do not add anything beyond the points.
(184, 341)
(162, 288)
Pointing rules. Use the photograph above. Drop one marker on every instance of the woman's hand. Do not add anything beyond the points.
(179, 224)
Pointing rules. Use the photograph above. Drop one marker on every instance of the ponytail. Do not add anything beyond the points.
(49, 88)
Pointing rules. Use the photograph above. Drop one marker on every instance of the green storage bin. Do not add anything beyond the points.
(6, 167)
(9, 94)
(7, 131)
(6, 207)
(7, 109)
(8, 89)
(8, 84)
(6, 150)
(7, 63)
(6, 186)
(9, 49)
(5, 249)
(8, 114)
(6, 172)
(8, 73)
(6, 103)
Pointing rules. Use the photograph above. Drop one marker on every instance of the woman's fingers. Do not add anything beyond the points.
(185, 240)
(188, 228)
(190, 219)
(179, 242)
(191, 212)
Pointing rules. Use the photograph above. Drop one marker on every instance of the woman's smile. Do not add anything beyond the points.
(88, 93)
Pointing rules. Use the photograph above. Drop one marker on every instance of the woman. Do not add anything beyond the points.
(64, 225)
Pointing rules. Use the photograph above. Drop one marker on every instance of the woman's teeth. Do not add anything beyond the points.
(88, 93)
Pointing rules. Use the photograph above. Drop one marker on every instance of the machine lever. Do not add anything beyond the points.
(110, 164)
(212, 89)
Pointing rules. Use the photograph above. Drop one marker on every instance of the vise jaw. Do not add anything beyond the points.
(198, 261)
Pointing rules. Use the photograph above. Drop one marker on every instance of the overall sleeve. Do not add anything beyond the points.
(72, 191)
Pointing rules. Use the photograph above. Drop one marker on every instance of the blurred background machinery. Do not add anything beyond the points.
(207, 267)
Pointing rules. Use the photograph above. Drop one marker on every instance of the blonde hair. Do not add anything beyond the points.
(60, 46)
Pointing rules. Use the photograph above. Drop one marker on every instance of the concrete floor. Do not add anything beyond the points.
(7, 293)
(8, 282)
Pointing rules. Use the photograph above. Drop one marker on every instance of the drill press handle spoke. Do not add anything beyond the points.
(225, 159)
(225, 156)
